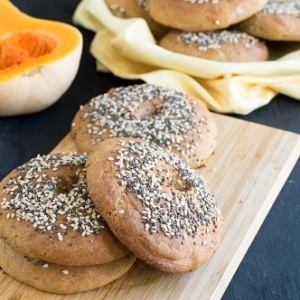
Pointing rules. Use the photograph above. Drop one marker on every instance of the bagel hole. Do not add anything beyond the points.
(146, 109)
(65, 183)
(179, 184)
(173, 179)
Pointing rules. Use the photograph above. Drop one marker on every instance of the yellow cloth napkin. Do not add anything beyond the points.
(127, 48)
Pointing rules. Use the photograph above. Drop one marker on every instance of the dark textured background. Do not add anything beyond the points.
(271, 267)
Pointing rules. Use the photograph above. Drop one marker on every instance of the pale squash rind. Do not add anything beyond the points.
(39, 88)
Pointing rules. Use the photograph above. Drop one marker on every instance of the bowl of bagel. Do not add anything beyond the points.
(235, 56)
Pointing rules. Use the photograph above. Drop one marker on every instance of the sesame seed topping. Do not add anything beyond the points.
(155, 114)
(52, 203)
(65, 272)
(202, 1)
(120, 11)
(215, 40)
(174, 197)
(143, 3)
(280, 7)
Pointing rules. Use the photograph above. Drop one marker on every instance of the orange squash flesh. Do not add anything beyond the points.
(19, 47)
(27, 42)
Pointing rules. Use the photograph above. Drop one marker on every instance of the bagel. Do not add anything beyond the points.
(172, 119)
(60, 279)
(154, 203)
(202, 15)
(46, 213)
(224, 45)
(136, 9)
(277, 21)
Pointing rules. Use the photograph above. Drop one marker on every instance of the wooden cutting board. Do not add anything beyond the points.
(250, 166)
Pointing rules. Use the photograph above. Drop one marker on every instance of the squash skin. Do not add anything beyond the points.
(38, 82)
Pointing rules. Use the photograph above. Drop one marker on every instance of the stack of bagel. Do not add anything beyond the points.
(52, 238)
(220, 30)
(75, 221)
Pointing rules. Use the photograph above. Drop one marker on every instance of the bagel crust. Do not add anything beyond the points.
(224, 45)
(200, 15)
(172, 119)
(154, 204)
(278, 21)
(136, 9)
(60, 279)
(46, 213)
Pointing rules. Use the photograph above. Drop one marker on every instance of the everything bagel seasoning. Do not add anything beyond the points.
(143, 3)
(214, 40)
(120, 11)
(51, 205)
(202, 1)
(279, 7)
(155, 114)
(177, 204)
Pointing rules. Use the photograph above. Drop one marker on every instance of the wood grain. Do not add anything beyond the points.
(250, 166)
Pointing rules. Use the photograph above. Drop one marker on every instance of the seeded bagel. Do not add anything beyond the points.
(279, 20)
(46, 213)
(170, 118)
(136, 9)
(154, 203)
(57, 278)
(202, 15)
(224, 45)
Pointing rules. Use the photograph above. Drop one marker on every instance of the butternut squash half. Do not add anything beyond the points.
(39, 60)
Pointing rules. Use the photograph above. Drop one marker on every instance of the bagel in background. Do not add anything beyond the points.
(136, 9)
(279, 20)
(174, 120)
(200, 15)
(224, 45)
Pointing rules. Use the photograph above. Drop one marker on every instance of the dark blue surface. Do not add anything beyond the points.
(271, 267)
